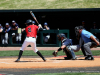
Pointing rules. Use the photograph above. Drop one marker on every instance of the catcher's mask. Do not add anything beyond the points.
(60, 36)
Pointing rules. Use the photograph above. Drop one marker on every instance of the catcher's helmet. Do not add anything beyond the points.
(29, 22)
(60, 36)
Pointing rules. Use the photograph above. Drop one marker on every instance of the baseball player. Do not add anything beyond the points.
(89, 41)
(15, 26)
(1, 34)
(5, 36)
(31, 31)
(66, 47)
(1, 28)
(46, 35)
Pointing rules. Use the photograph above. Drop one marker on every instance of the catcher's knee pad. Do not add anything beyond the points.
(71, 52)
(67, 53)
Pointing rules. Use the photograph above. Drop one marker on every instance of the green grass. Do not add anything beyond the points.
(45, 53)
(48, 4)
(67, 74)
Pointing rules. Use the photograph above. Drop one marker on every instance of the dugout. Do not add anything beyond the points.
(56, 18)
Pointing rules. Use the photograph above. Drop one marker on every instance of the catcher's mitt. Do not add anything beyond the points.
(54, 53)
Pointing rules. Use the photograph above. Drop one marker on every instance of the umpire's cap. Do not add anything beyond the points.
(28, 22)
(60, 36)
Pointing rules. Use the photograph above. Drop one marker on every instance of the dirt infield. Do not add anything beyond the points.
(39, 48)
(52, 62)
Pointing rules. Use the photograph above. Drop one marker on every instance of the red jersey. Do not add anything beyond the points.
(31, 30)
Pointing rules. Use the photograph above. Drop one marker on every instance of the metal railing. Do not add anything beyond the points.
(41, 44)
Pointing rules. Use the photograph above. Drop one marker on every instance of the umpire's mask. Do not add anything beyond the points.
(77, 28)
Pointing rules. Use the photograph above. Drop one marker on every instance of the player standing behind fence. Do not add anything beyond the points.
(15, 26)
(31, 31)
(46, 36)
(5, 34)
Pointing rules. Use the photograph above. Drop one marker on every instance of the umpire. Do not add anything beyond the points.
(89, 41)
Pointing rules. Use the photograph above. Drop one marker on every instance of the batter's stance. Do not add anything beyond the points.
(31, 31)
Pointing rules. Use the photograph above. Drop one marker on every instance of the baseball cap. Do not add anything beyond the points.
(7, 23)
(13, 21)
(33, 22)
(45, 23)
(0, 24)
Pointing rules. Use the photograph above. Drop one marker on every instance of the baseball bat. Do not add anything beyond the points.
(34, 17)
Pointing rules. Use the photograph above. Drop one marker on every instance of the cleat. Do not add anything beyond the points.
(89, 58)
(18, 60)
(44, 60)
(67, 58)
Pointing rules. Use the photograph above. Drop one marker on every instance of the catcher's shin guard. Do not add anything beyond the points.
(41, 55)
(67, 54)
(71, 52)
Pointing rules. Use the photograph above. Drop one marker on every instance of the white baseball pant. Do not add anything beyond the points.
(29, 41)
(75, 48)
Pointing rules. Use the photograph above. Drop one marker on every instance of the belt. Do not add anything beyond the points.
(32, 37)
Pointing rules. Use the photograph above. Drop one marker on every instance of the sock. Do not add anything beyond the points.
(40, 54)
(20, 54)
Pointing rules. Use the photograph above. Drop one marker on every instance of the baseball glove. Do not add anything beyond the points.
(54, 53)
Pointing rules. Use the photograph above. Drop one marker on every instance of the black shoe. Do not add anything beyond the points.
(67, 58)
(44, 59)
(18, 60)
(89, 58)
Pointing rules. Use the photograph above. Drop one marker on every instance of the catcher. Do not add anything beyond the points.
(66, 47)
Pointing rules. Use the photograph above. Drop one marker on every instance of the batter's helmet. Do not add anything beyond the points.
(60, 36)
(29, 22)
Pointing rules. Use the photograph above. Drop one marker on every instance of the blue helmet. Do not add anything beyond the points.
(45, 23)
(60, 36)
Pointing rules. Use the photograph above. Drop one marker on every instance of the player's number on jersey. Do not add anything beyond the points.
(29, 29)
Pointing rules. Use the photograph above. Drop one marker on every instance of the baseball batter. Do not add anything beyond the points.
(31, 33)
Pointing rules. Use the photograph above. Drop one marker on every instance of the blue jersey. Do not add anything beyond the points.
(1, 28)
(16, 25)
(66, 42)
(45, 34)
(6, 29)
(86, 36)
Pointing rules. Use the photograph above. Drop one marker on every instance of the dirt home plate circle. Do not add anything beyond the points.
(52, 62)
